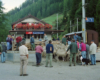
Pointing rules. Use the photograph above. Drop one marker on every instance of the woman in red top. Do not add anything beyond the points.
(39, 50)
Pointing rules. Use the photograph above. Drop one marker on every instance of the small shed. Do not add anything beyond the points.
(92, 35)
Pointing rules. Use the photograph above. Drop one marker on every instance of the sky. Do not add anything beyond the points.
(11, 4)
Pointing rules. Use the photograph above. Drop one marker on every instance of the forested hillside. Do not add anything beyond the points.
(71, 10)
(37, 8)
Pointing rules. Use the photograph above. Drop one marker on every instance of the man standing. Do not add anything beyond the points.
(39, 50)
(69, 40)
(23, 50)
(75, 37)
(49, 52)
(23, 38)
(45, 39)
(93, 49)
(18, 41)
(73, 50)
(3, 54)
(64, 40)
(8, 42)
(32, 43)
(87, 50)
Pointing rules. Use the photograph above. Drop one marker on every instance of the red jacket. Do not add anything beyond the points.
(18, 39)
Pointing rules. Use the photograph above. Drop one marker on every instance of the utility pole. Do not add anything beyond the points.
(83, 21)
(77, 24)
(57, 24)
(70, 26)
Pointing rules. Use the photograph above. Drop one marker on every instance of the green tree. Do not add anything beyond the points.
(97, 19)
(39, 15)
(3, 24)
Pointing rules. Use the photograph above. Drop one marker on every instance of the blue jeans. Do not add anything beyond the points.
(93, 59)
(38, 58)
(3, 57)
(8, 45)
(69, 42)
(83, 53)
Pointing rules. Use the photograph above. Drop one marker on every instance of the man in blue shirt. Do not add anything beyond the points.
(49, 53)
(32, 42)
(75, 37)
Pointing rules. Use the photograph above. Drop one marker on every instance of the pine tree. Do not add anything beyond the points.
(3, 24)
(97, 19)
(39, 15)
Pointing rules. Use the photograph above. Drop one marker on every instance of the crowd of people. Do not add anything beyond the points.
(75, 45)
(23, 50)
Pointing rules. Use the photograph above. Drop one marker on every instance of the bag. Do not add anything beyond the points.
(50, 48)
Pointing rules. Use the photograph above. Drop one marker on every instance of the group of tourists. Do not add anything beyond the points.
(69, 39)
(75, 46)
(55, 39)
(9, 41)
(23, 50)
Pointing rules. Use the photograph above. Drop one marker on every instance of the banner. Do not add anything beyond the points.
(38, 32)
(29, 33)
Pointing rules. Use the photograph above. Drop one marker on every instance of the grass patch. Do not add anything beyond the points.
(51, 19)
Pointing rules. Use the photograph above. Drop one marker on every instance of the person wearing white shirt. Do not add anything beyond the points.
(93, 50)
(23, 50)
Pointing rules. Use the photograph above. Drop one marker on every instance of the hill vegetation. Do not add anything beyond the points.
(69, 10)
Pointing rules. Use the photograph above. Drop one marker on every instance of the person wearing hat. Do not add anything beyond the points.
(93, 50)
(38, 50)
(23, 50)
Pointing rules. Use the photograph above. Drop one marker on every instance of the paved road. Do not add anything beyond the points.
(60, 71)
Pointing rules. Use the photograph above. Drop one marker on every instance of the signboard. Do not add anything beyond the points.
(89, 19)
(38, 32)
(29, 33)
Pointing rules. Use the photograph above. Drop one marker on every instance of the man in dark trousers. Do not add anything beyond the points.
(87, 50)
(32, 42)
(49, 53)
(73, 50)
